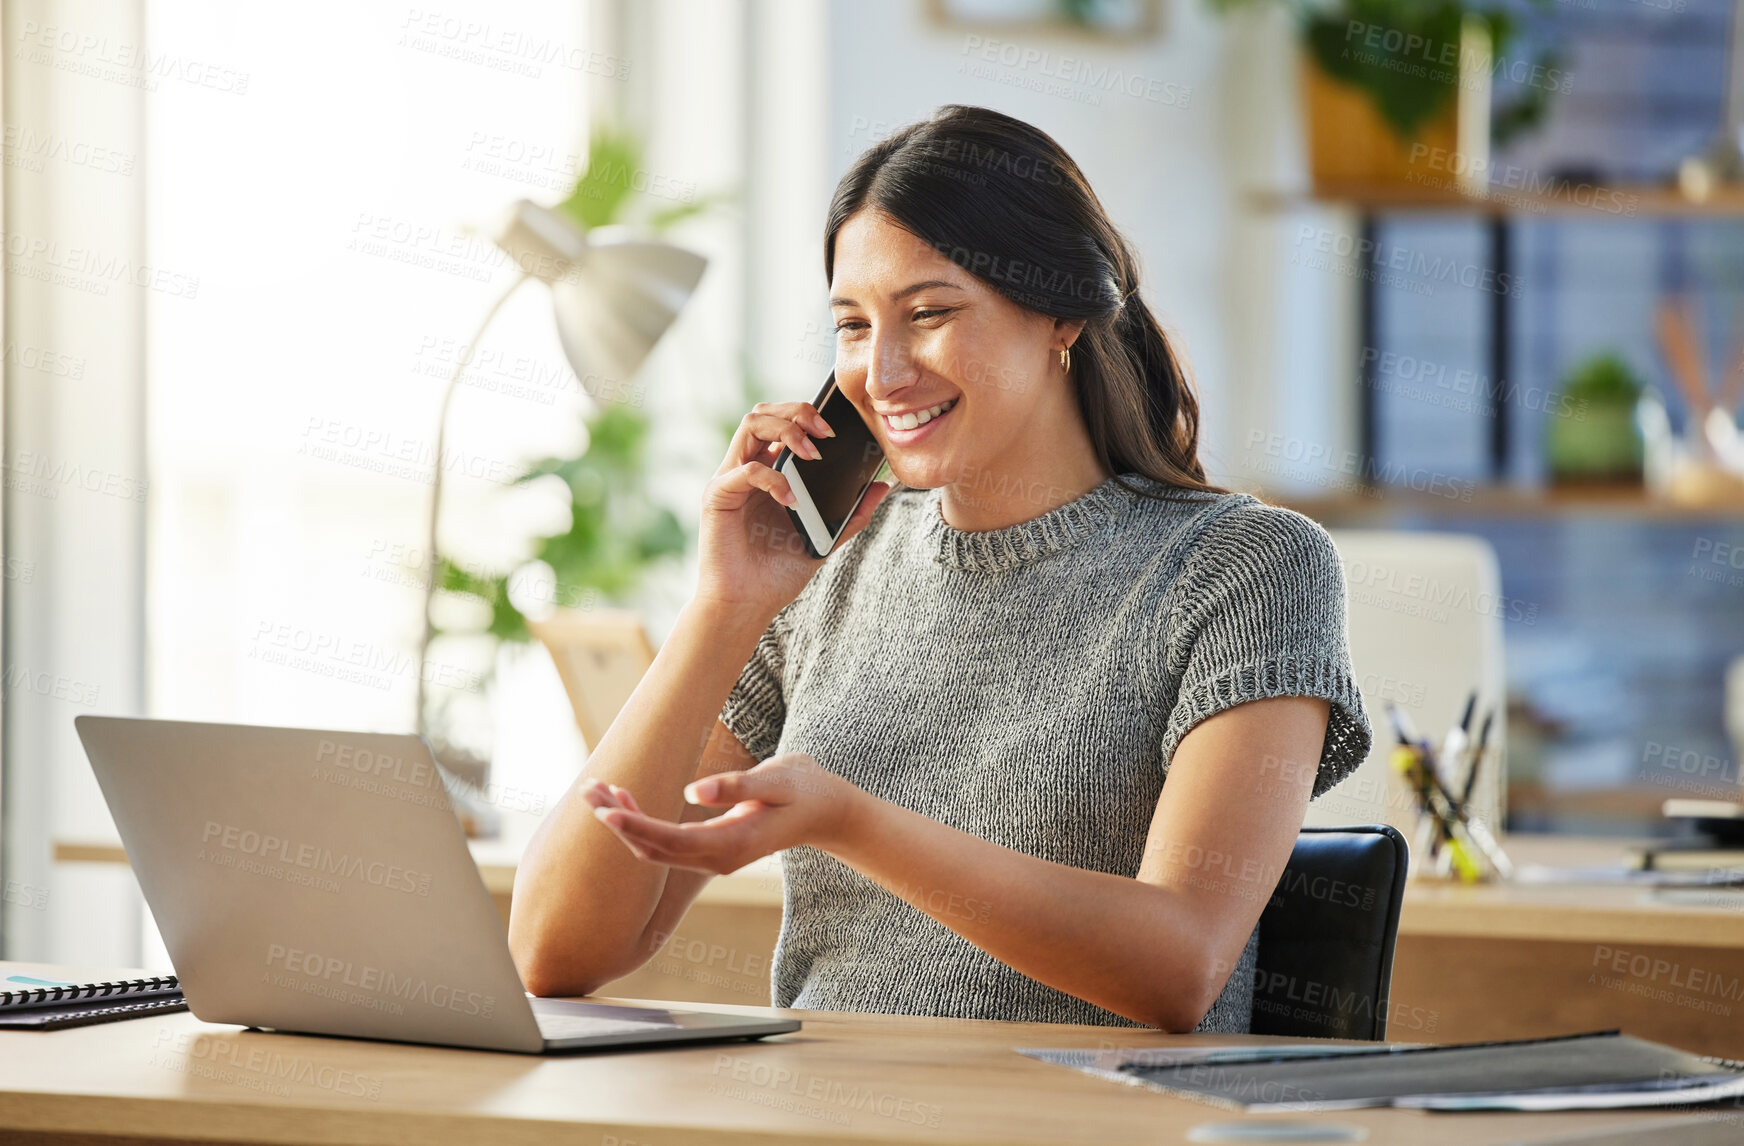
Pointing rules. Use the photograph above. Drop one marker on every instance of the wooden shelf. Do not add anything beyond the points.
(1579, 201)
(1505, 501)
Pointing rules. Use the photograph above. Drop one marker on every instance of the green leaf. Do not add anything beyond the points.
(1410, 72)
(666, 218)
(1603, 377)
(614, 158)
(506, 623)
(1408, 76)
(617, 533)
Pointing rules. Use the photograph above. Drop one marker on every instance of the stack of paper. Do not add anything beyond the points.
(1575, 1072)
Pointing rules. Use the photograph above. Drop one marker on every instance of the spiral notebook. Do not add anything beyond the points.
(37, 996)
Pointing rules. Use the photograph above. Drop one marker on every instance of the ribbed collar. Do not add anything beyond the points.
(997, 550)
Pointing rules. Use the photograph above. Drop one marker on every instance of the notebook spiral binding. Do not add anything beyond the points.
(36, 996)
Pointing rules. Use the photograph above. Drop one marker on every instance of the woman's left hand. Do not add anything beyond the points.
(781, 803)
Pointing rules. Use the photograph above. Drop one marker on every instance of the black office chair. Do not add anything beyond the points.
(1326, 938)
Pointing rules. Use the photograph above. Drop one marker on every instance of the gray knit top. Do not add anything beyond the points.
(1028, 685)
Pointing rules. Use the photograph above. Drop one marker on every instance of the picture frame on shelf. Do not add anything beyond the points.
(1114, 21)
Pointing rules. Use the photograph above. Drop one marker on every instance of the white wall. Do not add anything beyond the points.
(789, 338)
(1173, 167)
(74, 457)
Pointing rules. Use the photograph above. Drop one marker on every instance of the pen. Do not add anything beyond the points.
(1452, 821)
(1402, 729)
(1477, 757)
(1458, 737)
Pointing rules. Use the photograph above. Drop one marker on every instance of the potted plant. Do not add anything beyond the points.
(1592, 432)
(618, 532)
(1387, 83)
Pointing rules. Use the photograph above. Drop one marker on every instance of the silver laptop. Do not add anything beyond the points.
(319, 882)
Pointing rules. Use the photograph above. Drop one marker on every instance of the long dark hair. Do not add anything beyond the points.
(1002, 200)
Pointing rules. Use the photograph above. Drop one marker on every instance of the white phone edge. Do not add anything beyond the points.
(821, 540)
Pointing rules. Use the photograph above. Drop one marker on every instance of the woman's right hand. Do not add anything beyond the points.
(752, 554)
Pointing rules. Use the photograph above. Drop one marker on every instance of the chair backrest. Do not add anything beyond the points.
(1425, 626)
(1326, 938)
(601, 656)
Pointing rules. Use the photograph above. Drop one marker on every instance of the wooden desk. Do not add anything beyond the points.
(1518, 960)
(844, 1078)
(1485, 962)
(1473, 963)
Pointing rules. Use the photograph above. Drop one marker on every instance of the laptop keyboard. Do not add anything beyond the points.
(578, 1026)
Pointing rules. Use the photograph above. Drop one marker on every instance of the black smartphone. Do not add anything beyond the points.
(830, 488)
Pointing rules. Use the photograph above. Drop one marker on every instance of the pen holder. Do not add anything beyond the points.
(1450, 842)
(1704, 465)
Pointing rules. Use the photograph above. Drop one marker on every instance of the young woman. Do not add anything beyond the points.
(956, 730)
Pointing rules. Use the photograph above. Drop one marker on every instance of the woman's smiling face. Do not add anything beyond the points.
(959, 383)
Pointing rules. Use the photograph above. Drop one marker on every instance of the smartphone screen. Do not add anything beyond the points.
(837, 480)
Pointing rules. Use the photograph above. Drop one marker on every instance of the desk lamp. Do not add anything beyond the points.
(613, 292)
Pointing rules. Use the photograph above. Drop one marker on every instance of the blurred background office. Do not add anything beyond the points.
(1471, 268)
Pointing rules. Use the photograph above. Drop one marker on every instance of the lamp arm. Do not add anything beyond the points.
(431, 561)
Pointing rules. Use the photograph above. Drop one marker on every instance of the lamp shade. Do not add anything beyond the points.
(615, 292)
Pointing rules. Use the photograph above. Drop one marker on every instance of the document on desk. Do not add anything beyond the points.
(1721, 877)
(1603, 1070)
